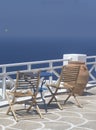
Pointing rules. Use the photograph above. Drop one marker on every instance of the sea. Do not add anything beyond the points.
(38, 30)
(15, 50)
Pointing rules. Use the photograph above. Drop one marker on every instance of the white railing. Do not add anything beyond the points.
(91, 63)
(8, 71)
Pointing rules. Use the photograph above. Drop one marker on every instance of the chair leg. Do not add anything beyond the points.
(72, 94)
(34, 103)
(53, 97)
(11, 109)
(44, 101)
(28, 109)
(67, 98)
(38, 110)
(78, 103)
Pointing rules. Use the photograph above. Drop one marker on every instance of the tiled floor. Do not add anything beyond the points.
(70, 118)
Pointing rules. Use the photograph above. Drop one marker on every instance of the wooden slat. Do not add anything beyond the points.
(69, 73)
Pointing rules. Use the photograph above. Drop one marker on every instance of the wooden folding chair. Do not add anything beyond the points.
(26, 87)
(68, 80)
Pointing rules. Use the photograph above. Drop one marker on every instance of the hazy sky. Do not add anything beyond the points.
(43, 18)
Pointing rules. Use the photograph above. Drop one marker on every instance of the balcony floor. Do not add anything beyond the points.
(70, 118)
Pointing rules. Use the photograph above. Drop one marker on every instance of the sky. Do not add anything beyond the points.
(47, 18)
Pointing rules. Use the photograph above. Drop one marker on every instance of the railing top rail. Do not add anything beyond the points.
(90, 63)
(39, 62)
(88, 57)
(33, 62)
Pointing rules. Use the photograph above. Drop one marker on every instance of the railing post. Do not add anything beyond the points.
(4, 82)
(74, 57)
(29, 67)
(51, 68)
(95, 64)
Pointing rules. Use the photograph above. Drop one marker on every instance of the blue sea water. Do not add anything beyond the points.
(46, 29)
(14, 50)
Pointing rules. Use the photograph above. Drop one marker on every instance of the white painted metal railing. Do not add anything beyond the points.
(8, 70)
(47, 65)
(91, 63)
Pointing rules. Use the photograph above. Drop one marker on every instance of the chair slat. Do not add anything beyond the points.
(69, 73)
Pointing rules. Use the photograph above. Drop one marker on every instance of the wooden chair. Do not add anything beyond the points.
(68, 80)
(26, 87)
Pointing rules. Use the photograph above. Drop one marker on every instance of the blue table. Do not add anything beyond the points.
(44, 75)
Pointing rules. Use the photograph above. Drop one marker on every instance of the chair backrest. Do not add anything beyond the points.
(27, 80)
(69, 74)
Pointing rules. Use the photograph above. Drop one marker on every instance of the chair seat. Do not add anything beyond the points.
(61, 86)
(23, 93)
